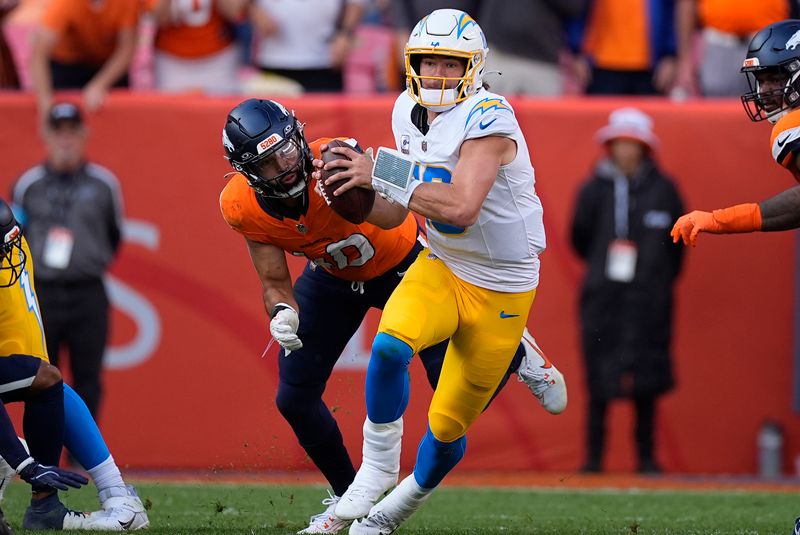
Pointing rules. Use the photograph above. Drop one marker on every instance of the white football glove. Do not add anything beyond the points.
(283, 328)
(394, 194)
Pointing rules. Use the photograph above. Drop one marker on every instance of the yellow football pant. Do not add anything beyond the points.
(484, 326)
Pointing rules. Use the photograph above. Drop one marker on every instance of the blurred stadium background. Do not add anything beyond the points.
(190, 388)
(189, 328)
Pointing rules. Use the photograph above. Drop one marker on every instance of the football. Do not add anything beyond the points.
(355, 204)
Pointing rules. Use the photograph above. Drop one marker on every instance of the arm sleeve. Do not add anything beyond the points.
(11, 448)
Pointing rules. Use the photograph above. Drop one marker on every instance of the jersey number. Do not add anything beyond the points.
(353, 251)
(438, 174)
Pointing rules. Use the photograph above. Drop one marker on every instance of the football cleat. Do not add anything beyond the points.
(375, 524)
(542, 377)
(50, 514)
(796, 526)
(127, 510)
(327, 521)
(387, 515)
(363, 492)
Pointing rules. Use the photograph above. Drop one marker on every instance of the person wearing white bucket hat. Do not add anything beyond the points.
(629, 123)
(619, 229)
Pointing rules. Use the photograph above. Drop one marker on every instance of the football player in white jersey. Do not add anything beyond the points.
(463, 164)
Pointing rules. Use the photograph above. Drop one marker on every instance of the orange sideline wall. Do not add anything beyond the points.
(187, 386)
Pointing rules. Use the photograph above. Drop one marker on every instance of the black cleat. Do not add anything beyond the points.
(50, 513)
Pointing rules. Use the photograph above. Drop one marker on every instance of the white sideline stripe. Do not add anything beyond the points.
(16, 385)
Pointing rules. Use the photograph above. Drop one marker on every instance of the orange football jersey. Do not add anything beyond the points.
(346, 250)
(203, 32)
(785, 142)
(87, 32)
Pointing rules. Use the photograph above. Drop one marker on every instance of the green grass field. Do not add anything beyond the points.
(182, 509)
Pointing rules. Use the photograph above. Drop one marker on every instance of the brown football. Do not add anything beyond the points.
(355, 204)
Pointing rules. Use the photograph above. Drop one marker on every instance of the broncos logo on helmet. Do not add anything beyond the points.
(265, 142)
(12, 255)
(772, 67)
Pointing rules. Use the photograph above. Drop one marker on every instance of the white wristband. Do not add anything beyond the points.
(393, 176)
(24, 463)
(396, 195)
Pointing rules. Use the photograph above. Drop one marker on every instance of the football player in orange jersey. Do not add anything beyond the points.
(772, 67)
(351, 268)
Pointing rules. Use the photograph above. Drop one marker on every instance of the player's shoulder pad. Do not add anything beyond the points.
(489, 114)
(233, 200)
(785, 138)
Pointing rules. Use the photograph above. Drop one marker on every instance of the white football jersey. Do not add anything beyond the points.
(501, 250)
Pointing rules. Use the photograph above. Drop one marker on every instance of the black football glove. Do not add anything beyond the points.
(51, 476)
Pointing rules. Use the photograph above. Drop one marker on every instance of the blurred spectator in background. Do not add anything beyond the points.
(9, 78)
(726, 27)
(194, 45)
(625, 47)
(83, 44)
(526, 44)
(71, 210)
(307, 42)
(619, 227)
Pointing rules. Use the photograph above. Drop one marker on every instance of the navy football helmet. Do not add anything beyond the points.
(265, 142)
(772, 67)
(12, 255)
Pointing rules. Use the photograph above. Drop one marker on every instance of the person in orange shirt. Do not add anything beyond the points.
(83, 44)
(725, 29)
(194, 45)
(352, 268)
(625, 47)
(772, 66)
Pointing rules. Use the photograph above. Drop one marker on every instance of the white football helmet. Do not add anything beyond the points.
(446, 32)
